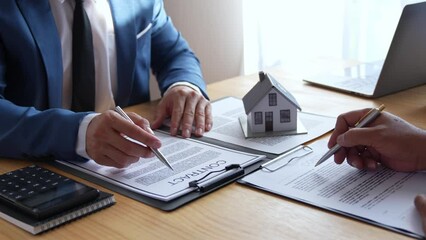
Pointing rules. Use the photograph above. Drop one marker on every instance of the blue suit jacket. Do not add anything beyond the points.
(32, 123)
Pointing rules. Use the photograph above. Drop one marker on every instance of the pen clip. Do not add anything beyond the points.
(301, 151)
(380, 108)
(229, 173)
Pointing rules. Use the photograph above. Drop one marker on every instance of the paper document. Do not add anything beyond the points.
(191, 160)
(227, 128)
(383, 197)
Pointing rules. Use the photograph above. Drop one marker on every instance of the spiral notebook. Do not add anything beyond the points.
(35, 226)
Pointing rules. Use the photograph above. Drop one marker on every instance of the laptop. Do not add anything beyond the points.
(403, 68)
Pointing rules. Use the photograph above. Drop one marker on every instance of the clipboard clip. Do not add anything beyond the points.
(230, 172)
(274, 165)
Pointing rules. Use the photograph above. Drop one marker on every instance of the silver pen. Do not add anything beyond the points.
(366, 119)
(157, 152)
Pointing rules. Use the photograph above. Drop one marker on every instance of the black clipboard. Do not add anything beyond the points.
(202, 190)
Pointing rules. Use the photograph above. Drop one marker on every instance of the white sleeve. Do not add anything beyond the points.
(80, 147)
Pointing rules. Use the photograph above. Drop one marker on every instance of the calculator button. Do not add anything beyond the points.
(19, 197)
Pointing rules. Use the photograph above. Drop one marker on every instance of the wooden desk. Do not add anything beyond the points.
(235, 211)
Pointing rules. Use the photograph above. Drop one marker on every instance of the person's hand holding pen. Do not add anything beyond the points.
(157, 152)
(106, 146)
(388, 140)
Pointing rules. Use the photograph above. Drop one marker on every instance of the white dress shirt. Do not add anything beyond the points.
(100, 17)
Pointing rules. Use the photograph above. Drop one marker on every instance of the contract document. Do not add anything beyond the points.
(383, 197)
(191, 160)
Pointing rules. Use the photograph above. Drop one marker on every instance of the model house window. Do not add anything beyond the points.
(258, 118)
(284, 116)
(272, 99)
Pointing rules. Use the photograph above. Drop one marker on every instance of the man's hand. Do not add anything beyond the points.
(187, 108)
(420, 202)
(106, 145)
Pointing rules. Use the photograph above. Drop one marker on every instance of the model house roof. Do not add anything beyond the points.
(263, 87)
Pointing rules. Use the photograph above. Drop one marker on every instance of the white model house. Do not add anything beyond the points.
(270, 107)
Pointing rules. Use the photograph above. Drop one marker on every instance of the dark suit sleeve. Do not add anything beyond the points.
(172, 59)
(27, 133)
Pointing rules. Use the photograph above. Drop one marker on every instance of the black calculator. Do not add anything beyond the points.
(41, 193)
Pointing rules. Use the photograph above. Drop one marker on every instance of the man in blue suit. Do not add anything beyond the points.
(129, 38)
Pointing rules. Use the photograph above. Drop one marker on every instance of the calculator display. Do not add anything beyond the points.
(53, 196)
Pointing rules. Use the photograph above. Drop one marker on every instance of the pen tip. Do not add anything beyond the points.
(170, 166)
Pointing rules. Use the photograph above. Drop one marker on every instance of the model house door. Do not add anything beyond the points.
(269, 121)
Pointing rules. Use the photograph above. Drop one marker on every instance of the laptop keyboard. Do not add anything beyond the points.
(363, 85)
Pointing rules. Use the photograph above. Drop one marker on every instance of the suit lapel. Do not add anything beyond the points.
(124, 27)
(42, 24)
